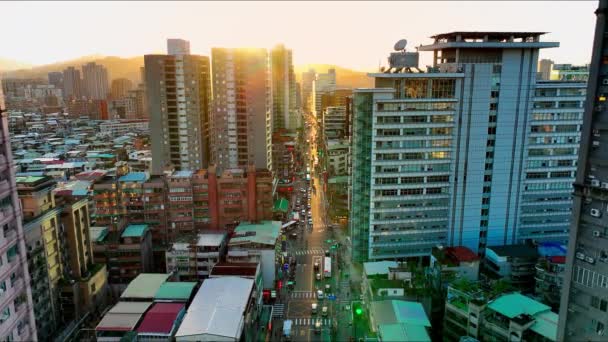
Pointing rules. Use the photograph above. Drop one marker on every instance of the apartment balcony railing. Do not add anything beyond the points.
(10, 237)
(11, 293)
(5, 189)
(9, 325)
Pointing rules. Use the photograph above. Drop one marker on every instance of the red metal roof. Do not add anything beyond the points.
(559, 259)
(160, 318)
(461, 254)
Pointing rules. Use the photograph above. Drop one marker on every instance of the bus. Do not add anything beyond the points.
(327, 267)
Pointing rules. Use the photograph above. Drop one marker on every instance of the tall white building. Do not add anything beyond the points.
(283, 89)
(95, 81)
(242, 120)
(439, 158)
(324, 83)
(17, 321)
(178, 47)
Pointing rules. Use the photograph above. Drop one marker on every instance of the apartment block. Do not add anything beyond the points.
(41, 223)
(284, 110)
(178, 96)
(95, 81)
(583, 313)
(322, 84)
(242, 120)
(194, 260)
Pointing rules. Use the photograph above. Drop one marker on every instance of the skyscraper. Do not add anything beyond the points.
(178, 96)
(120, 88)
(284, 108)
(95, 81)
(439, 158)
(178, 47)
(308, 77)
(323, 83)
(16, 310)
(583, 313)
(56, 79)
(242, 118)
(72, 83)
(544, 69)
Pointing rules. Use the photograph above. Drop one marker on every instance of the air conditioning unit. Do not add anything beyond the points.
(605, 81)
(597, 233)
(590, 260)
(595, 182)
(604, 185)
(595, 213)
(596, 132)
(580, 256)
(596, 143)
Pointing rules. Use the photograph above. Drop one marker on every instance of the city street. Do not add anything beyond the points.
(310, 247)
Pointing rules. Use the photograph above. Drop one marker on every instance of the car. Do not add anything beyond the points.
(324, 311)
(320, 294)
(293, 235)
(314, 308)
(327, 252)
(327, 287)
(318, 276)
(318, 326)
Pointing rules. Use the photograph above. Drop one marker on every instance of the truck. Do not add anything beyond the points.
(287, 330)
(327, 267)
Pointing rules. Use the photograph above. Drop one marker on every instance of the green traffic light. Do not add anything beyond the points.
(358, 311)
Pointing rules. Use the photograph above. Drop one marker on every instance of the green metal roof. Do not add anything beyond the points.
(515, 304)
(98, 234)
(410, 313)
(179, 291)
(145, 285)
(281, 205)
(546, 325)
(403, 332)
(134, 230)
(264, 232)
(28, 179)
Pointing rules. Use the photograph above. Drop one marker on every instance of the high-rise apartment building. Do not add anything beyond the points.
(544, 69)
(308, 77)
(17, 320)
(284, 108)
(569, 72)
(56, 79)
(178, 47)
(120, 88)
(95, 81)
(583, 314)
(439, 158)
(72, 83)
(324, 83)
(242, 117)
(178, 97)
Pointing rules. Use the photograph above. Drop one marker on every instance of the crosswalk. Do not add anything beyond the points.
(344, 289)
(278, 310)
(303, 295)
(310, 251)
(311, 321)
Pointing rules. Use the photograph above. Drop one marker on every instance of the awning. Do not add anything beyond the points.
(281, 205)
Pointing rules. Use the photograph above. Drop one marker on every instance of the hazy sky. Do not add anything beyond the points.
(351, 34)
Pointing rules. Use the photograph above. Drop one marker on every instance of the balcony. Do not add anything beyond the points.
(9, 325)
(10, 294)
(10, 237)
(5, 189)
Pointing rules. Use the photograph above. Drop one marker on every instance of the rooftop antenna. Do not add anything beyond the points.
(400, 45)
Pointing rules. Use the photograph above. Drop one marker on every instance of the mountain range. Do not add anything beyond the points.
(120, 67)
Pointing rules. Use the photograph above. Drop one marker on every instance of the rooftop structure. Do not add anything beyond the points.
(175, 291)
(161, 320)
(397, 320)
(123, 317)
(144, 286)
(217, 311)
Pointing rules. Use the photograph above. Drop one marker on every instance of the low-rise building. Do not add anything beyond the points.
(512, 263)
(161, 322)
(193, 260)
(398, 320)
(256, 242)
(456, 262)
(220, 311)
(121, 320)
(144, 287)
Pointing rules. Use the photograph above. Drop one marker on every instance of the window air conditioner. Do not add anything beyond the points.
(595, 213)
(596, 233)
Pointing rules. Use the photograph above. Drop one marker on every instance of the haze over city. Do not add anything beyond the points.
(354, 35)
(264, 171)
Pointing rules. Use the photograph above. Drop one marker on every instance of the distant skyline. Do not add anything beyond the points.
(356, 35)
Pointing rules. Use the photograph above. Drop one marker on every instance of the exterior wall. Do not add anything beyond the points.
(242, 117)
(95, 81)
(583, 311)
(181, 122)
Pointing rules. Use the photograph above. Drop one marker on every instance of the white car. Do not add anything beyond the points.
(324, 311)
(318, 276)
(320, 294)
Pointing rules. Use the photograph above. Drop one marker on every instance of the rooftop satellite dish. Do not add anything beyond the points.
(400, 45)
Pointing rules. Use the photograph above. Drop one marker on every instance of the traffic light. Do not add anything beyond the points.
(358, 309)
(280, 284)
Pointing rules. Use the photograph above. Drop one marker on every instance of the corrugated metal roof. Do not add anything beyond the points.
(210, 239)
(98, 234)
(161, 318)
(135, 177)
(180, 291)
(546, 325)
(265, 232)
(124, 316)
(134, 230)
(515, 304)
(145, 285)
(217, 308)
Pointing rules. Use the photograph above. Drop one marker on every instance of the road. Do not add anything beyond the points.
(310, 246)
